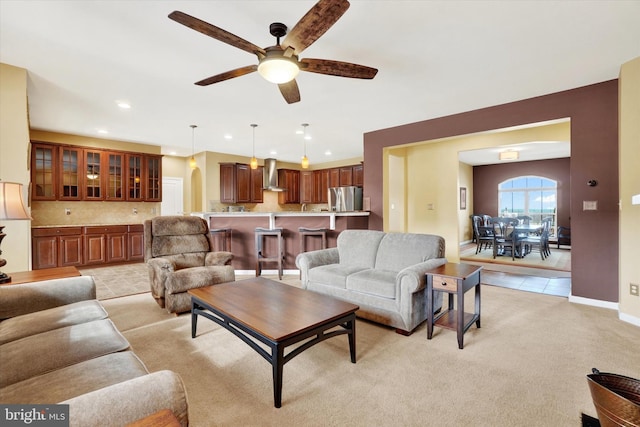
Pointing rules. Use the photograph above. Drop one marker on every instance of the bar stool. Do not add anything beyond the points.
(261, 257)
(313, 232)
(223, 235)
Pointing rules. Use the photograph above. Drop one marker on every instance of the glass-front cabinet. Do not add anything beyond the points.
(70, 164)
(43, 167)
(154, 178)
(134, 177)
(62, 172)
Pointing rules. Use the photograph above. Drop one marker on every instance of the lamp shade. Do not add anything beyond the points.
(11, 206)
(278, 69)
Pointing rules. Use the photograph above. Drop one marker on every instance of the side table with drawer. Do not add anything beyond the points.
(454, 279)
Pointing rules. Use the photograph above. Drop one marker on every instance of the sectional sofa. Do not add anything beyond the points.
(57, 345)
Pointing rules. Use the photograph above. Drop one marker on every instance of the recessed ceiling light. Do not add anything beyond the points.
(124, 105)
(299, 132)
(103, 131)
(273, 152)
(327, 153)
(173, 153)
(227, 136)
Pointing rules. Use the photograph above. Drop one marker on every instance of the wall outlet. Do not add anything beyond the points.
(135, 211)
(67, 211)
(633, 289)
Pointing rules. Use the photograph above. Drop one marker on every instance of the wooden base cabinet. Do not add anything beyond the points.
(56, 247)
(81, 246)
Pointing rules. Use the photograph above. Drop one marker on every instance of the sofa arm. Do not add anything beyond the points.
(218, 258)
(305, 261)
(129, 401)
(413, 278)
(24, 298)
(159, 271)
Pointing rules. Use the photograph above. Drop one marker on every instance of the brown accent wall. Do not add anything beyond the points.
(593, 111)
(487, 178)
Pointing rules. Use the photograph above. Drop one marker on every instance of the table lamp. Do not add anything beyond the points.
(11, 207)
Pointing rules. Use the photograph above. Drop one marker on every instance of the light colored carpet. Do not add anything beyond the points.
(526, 366)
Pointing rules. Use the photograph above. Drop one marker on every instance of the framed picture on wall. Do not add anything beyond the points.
(463, 198)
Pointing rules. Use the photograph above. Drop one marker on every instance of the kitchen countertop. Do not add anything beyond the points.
(272, 215)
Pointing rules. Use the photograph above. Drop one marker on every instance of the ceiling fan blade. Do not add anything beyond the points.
(337, 68)
(228, 75)
(314, 24)
(290, 91)
(215, 32)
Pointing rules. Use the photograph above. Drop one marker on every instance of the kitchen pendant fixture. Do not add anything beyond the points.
(192, 161)
(305, 159)
(254, 161)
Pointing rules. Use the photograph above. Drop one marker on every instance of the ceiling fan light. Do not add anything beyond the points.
(278, 69)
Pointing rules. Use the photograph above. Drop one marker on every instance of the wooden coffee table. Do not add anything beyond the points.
(277, 315)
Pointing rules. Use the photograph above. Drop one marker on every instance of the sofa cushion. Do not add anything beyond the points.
(173, 245)
(74, 380)
(333, 274)
(47, 351)
(359, 247)
(381, 283)
(400, 250)
(178, 225)
(53, 318)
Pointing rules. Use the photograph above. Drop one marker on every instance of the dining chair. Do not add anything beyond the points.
(483, 234)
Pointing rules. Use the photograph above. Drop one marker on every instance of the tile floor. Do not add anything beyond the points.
(558, 286)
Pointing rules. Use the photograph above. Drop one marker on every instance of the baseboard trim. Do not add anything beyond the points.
(594, 302)
(629, 319)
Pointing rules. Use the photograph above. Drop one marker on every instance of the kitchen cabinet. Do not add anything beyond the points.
(346, 176)
(257, 182)
(70, 165)
(289, 180)
(56, 247)
(88, 245)
(135, 242)
(74, 173)
(307, 194)
(321, 186)
(153, 174)
(334, 177)
(358, 175)
(44, 160)
(105, 244)
(115, 176)
(134, 177)
(240, 184)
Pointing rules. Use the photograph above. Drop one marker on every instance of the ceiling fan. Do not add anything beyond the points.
(280, 63)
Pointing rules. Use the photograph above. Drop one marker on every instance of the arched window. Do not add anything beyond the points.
(533, 196)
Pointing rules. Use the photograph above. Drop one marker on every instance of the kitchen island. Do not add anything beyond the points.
(243, 225)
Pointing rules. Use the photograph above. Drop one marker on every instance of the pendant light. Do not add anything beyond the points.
(192, 162)
(305, 159)
(254, 161)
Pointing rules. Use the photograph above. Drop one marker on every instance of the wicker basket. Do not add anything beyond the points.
(616, 398)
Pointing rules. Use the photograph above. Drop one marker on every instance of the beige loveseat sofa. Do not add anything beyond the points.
(57, 345)
(383, 273)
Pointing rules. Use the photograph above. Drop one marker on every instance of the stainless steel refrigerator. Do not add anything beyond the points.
(345, 199)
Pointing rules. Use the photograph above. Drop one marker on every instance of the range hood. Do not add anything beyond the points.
(270, 177)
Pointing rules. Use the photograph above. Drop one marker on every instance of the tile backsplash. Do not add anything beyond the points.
(89, 213)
